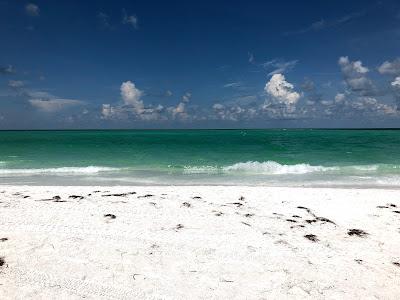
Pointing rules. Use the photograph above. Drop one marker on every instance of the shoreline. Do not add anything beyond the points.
(202, 242)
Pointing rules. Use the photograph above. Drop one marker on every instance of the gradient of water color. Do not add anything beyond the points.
(220, 157)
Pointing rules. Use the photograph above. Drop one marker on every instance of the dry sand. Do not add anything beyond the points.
(199, 242)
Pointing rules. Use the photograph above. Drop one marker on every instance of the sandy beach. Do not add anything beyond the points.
(199, 242)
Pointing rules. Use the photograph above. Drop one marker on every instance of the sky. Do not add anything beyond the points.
(70, 64)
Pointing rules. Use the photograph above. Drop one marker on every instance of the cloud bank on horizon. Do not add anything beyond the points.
(128, 75)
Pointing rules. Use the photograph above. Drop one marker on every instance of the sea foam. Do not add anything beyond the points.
(275, 168)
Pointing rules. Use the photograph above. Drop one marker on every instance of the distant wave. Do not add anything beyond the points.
(62, 170)
(275, 168)
(255, 167)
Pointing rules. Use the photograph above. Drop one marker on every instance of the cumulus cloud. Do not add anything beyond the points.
(186, 97)
(396, 82)
(32, 10)
(340, 98)
(131, 95)
(180, 111)
(355, 76)
(54, 105)
(390, 68)
(129, 19)
(281, 90)
(396, 89)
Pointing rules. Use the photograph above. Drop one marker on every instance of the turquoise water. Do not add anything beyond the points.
(249, 157)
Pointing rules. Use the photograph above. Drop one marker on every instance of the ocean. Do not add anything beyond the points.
(276, 157)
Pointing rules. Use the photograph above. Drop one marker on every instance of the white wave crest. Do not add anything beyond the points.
(200, 170)
(274, 168)
(62, 170)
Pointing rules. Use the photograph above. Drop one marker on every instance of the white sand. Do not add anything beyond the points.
(69, 250)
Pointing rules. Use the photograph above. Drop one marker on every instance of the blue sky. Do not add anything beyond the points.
(199, 64)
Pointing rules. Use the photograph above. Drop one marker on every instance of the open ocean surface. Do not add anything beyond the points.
(302, 157)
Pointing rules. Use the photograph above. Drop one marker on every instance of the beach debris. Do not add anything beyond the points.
(219, 213)
(241, 198)
(392, 205)
(311, 237)
(179, 226)
(186, 204)
(311, 221)
(325, 220)
(247, 224)
(3, 239)
(76, 197)
(238, 204)
(359, 261)
(119, 194)
(357, 232)
(196, 197)
(26, 197)
(58, 199)
(396, 263)
(111, 216)
(296, 216)
(153, 203)
(248, 215)
(382, 206)
(2, 261)
(396, 211)
(290, 220)
(299, 225)
(146, 196)
(54, 199)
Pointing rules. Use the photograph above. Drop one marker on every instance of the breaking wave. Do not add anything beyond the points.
(274, 168)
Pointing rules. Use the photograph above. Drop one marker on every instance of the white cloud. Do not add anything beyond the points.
(218, 106)
(391, 68)
(130, 20)
(339, 98)
(180, 110)
(54, 105)
(186, 97)
(350, 68)
(131, 96)
(355, 76)
(396, 82)
(281, 90)
(15, 83)
(32, 10)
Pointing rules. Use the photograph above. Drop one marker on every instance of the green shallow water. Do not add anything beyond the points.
(261, 157)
